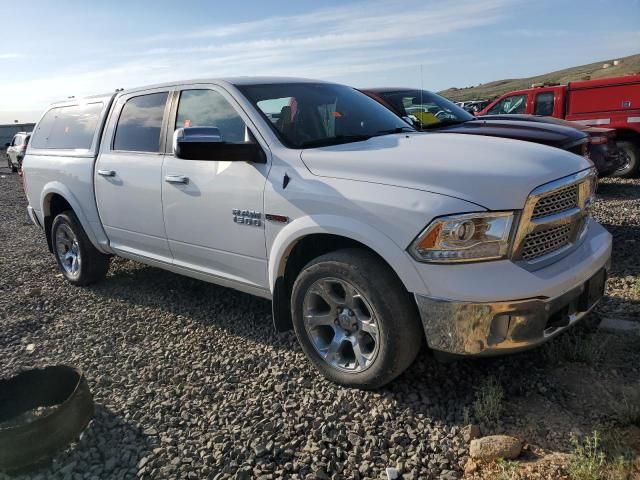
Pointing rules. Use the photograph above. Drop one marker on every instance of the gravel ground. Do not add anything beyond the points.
(191, 381)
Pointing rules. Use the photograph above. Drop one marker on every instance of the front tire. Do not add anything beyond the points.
(79, 261)
(10, 164)
(630, 167)
(354, 319)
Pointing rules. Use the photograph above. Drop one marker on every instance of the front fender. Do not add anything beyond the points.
(393, 254)
(96, 236)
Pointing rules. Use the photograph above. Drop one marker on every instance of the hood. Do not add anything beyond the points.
(546, 133)
(497, 174)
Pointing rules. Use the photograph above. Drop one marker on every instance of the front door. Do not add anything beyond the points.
(215, 219)
(128, 178)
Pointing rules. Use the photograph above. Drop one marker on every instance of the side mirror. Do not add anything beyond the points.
(206, 143)
(7, 145)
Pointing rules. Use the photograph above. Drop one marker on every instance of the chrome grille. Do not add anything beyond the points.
(553, 219)
(558, 201)
(546, 241)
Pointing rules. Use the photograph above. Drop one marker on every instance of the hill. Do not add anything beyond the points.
(627, 65)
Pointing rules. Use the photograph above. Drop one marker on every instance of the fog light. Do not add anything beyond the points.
(499, 329)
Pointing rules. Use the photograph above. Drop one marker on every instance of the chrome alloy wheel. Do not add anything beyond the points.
(341, 324)
(67, 250)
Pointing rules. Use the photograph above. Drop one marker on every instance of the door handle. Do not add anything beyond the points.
(176, 179)
(107, 173)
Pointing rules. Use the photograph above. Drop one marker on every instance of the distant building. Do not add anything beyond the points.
(7, 132)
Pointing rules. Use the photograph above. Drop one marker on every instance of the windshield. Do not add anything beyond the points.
(306, 115)
(426, 109)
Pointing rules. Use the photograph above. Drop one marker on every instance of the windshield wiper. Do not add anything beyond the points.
(337, 140)
(445, 123)
(393, 130)
(340, 139)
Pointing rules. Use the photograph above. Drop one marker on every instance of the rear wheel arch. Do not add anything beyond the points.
(56, 198)
(53, 205)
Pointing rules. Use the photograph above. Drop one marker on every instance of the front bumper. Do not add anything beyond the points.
(472, 327)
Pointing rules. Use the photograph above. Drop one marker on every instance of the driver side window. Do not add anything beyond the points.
(208, 108)
(510, 105)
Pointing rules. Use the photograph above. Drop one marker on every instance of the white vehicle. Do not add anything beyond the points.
(16, 150)
(367, 235)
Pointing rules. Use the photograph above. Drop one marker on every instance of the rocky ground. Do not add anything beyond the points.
(191, 381)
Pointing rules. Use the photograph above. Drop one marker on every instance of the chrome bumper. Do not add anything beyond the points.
(463, 328)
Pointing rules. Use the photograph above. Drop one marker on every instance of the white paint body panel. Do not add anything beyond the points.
(493, 172)
(381, 192)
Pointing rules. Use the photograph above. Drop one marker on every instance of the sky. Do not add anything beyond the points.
(50, 50)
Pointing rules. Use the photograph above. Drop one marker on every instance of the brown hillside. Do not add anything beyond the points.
(626, 66)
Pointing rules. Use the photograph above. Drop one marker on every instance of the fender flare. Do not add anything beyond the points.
(57, 188)
(346, 227)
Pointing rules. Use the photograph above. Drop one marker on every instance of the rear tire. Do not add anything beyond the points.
(78, 260)
(630, 150)
(354, 319)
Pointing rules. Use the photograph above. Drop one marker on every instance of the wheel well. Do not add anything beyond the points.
(56, 205)
(630, 135)
(300, 254)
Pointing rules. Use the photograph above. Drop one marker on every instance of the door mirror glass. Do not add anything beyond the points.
(206, 143)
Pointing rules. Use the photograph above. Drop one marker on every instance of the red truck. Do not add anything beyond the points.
(608, 102)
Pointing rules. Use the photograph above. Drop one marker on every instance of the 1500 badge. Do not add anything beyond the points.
(247, 217)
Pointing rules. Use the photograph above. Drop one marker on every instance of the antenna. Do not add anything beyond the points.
(421, 86)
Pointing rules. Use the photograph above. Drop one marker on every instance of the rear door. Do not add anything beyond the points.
(128, 175)
(215, 219)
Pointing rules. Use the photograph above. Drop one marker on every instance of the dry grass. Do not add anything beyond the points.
(575, 347)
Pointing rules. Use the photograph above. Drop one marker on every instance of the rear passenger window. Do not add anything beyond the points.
(207, 108)
(139, 125)
(544, 104)
(71, 127)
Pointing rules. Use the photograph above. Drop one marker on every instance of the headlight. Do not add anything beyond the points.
(464, 238)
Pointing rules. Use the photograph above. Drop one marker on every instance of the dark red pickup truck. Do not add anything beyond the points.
(608, 102)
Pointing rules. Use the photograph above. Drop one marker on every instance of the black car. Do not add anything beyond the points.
(428, 111)
(603, 150)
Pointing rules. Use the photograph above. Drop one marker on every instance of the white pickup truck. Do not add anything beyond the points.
(367, 235)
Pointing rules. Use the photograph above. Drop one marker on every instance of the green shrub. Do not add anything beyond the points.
(588, 459)
(488, 405)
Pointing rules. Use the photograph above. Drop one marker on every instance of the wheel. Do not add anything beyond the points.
(354, 319)
(10, 164)
(630, 165)
(78, 260)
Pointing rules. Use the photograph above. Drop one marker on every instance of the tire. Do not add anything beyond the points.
(10, 164)
(78, 260)
(353, 296)
(630, 168)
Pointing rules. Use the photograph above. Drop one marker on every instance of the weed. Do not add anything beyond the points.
(488, 405)
(588, 460)
(619, 469)
(466, 416)
(572, 347)
(628, 406)
(507, 470)
(625, 404)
